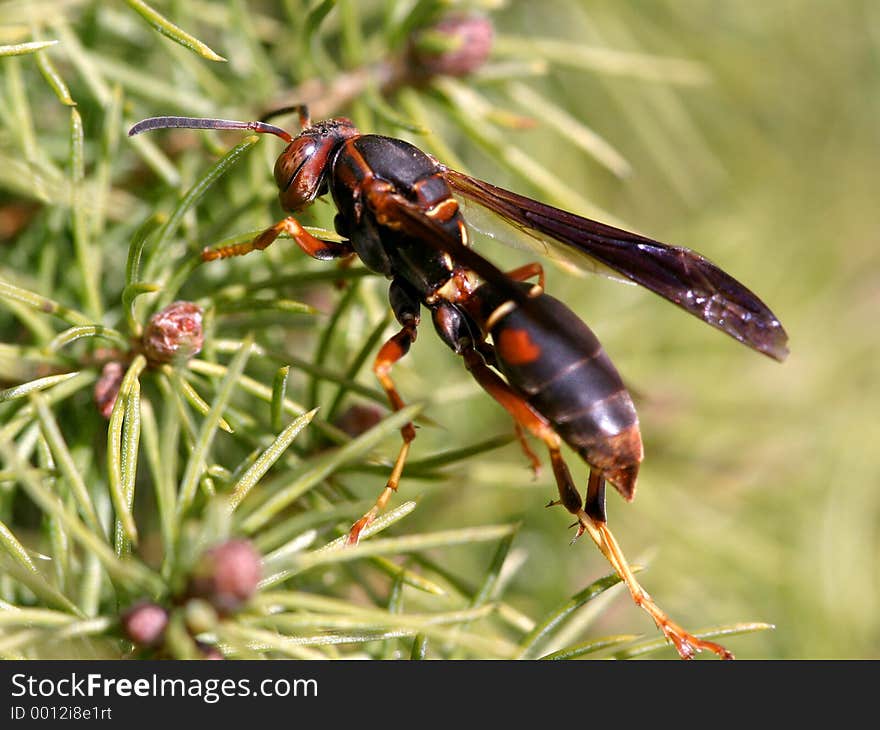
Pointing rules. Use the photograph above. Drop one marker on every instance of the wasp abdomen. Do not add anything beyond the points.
(554, 360)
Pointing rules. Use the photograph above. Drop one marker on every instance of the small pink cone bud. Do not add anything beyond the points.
(174, 333)
(227, 575)
(467, 40)
(144, 623)
(107, 387)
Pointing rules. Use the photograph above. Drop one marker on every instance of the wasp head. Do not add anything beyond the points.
(301, 170)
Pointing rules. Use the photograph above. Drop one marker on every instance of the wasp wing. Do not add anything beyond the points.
(677, 274)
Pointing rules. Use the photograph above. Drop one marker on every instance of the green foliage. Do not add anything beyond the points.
(669, 118)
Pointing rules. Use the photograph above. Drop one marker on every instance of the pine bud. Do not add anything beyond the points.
(144, 623)
(457, 45)
(227, 575)
(174, 333)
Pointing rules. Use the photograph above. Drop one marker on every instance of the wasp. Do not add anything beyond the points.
(400, 212)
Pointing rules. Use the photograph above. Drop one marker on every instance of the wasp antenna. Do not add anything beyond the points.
(305, 119)
(301, 111)
(205, 123)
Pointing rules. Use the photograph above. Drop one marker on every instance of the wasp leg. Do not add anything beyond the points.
(407, 313)
(685, 643)
(482, 361)
(527, 271)
(527, 418)
(594, 503)
(390, 353)
(534, 461)
(314, 247)
(590, 516)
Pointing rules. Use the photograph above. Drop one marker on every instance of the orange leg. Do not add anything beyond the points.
(391, 352)
(314, 247)
(591, 518)
(685, 643)
(534, 461)
(527, 271)
(522, 273)
(485, 376)
(525, 418)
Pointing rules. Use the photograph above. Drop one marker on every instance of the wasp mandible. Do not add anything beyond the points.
(399, 214)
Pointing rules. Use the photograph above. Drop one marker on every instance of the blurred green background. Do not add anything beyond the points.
(758, 147)
(759, 488)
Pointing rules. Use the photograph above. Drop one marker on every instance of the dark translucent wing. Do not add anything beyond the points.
(678, 274)
(410, 218)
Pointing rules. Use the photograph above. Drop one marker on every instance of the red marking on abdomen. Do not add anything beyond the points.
(516, 347)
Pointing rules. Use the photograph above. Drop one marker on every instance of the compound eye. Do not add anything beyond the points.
(300, 172)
